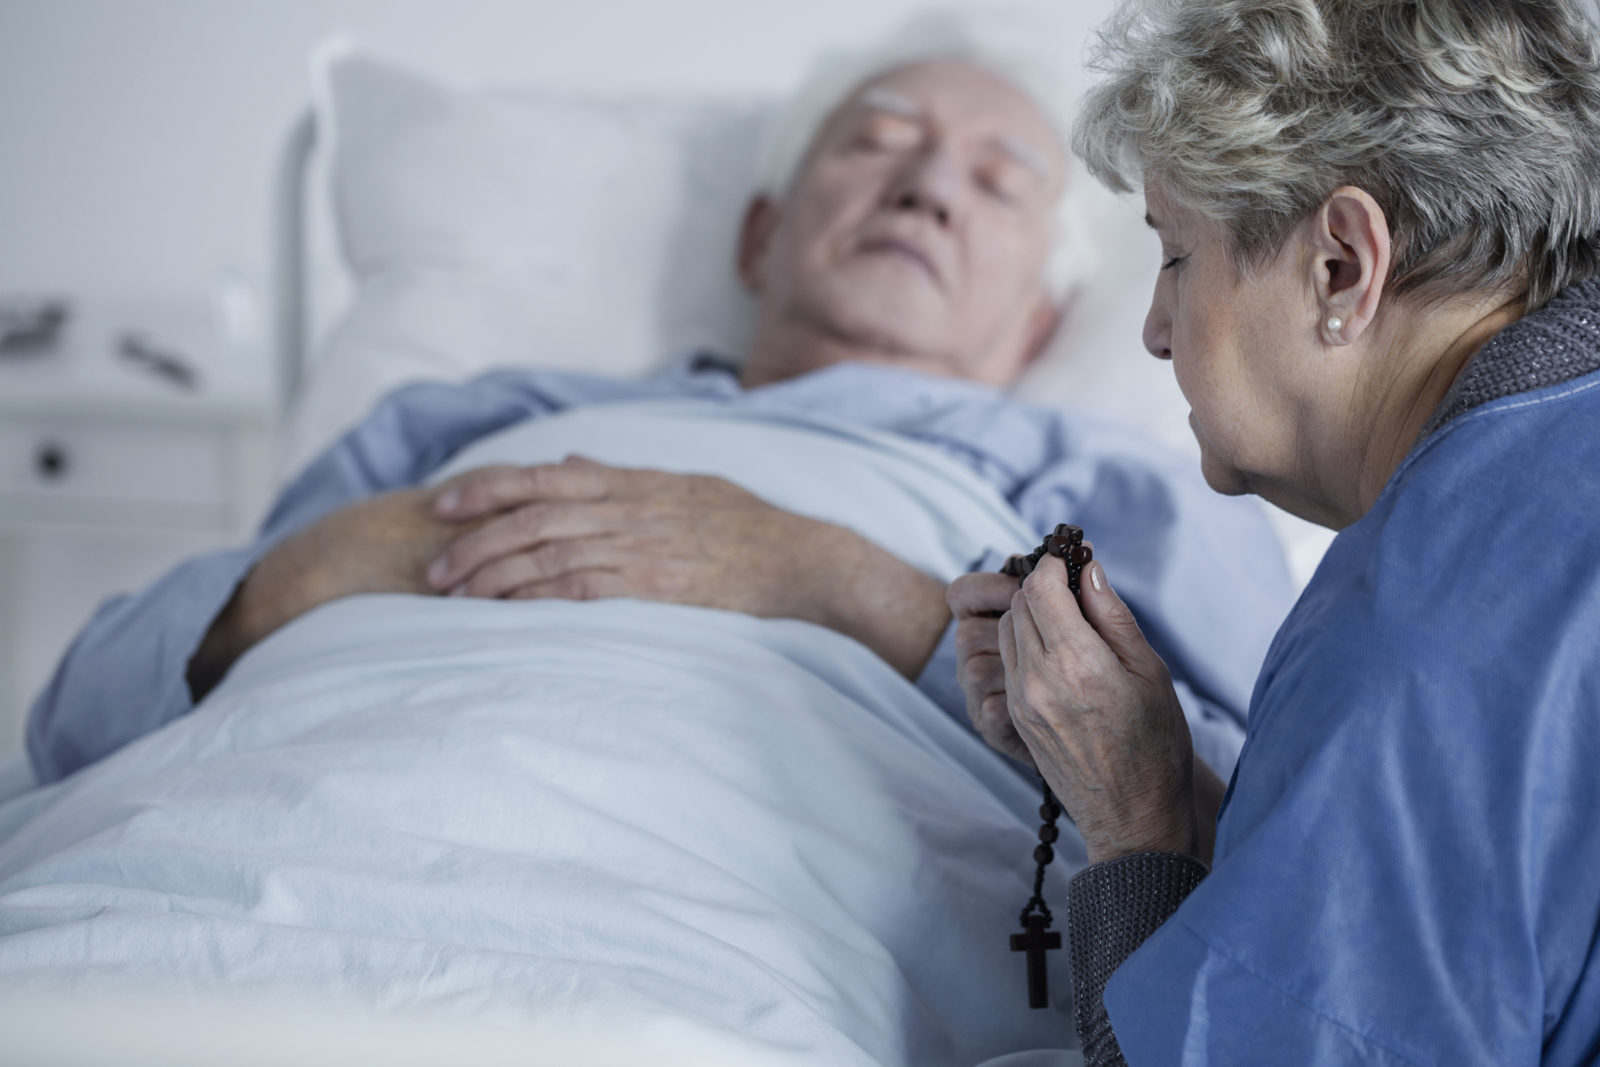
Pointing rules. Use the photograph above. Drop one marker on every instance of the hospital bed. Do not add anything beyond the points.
(461, 251)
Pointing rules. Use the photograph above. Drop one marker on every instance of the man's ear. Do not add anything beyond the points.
(1041, 327)
(1351, 255)
(755, 237)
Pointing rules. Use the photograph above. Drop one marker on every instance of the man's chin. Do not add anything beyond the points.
(893, 323)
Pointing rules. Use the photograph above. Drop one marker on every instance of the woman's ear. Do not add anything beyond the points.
(755, 237)
(1351, 255)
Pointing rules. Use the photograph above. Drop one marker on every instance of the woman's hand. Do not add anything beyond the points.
(978, 601)
(1095, 707)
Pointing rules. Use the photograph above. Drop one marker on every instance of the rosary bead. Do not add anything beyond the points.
(1049, 811)
(1081, 554)
(1048, 834)
(1043, 854)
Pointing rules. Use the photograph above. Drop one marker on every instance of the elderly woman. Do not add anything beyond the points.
(1381, 233)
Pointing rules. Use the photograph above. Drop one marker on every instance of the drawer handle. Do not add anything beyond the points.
(52, 461)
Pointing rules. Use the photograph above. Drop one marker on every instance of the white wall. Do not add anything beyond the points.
(137, 137)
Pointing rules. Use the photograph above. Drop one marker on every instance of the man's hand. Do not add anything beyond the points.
(581, 530)
(978, 601)
(379, 545)
(1095, 706)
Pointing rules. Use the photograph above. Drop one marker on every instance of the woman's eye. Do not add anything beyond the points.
(1175, 261)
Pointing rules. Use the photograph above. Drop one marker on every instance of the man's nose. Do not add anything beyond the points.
(928, 185)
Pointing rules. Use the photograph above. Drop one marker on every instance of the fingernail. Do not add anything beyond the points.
(449, 501)
(460, 590)
(439, 570)
(1097, 576)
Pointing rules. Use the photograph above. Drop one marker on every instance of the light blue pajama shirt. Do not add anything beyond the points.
(1203, 573)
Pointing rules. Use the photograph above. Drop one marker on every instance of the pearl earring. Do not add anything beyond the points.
(1335, 324)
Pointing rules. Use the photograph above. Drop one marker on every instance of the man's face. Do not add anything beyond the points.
(918, 226)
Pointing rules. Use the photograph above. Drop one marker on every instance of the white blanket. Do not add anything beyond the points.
(728, 839)
(530, 809)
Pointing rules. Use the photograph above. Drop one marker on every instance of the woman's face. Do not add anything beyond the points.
(1245, 353)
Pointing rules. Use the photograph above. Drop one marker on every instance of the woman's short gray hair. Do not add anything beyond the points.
(1475, 124)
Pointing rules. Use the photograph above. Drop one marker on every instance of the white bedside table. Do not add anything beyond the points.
(110, 474)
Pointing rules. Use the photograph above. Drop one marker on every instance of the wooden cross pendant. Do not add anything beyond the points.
(1036, 942)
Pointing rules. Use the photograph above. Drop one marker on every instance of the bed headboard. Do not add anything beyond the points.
(291, 328)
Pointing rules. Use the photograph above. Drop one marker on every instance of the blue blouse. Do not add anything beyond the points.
(1408, 864)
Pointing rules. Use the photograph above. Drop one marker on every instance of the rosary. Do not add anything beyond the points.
(1066, 544)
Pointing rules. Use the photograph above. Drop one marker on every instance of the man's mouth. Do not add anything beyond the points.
(891, 246)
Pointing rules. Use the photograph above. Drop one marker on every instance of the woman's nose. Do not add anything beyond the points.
(1158, 332)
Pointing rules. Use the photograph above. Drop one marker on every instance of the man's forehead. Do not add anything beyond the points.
(879, 98)
(954, 90)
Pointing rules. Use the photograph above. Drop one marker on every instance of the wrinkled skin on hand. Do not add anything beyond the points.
(1095, 707)
(580, 530)
(378, 545)
(978, 601)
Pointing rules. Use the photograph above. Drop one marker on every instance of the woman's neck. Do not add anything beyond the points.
(1429, 348)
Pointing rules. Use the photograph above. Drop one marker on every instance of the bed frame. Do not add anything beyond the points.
(291, 265)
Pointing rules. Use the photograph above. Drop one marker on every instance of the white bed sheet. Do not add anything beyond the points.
(520, 811)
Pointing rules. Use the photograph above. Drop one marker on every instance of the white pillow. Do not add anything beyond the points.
(494, 227)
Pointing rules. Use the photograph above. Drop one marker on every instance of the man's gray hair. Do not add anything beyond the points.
(1021, 45)
(1475, 124)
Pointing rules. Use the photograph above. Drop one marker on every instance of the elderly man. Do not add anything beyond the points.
(901, 276)
(907, 258)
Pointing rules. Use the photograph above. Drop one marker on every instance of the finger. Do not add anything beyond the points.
(982, 671)
(977, 636)
(1053, 608)
(1000, 732)
(983, 685)
(1008, 642)
(1114, 622)
(548, 562)
(487, 489)
(1030, 645)
(579, 585)
(993, 722)
(980, 594)
(519, 531)
(984, 677)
